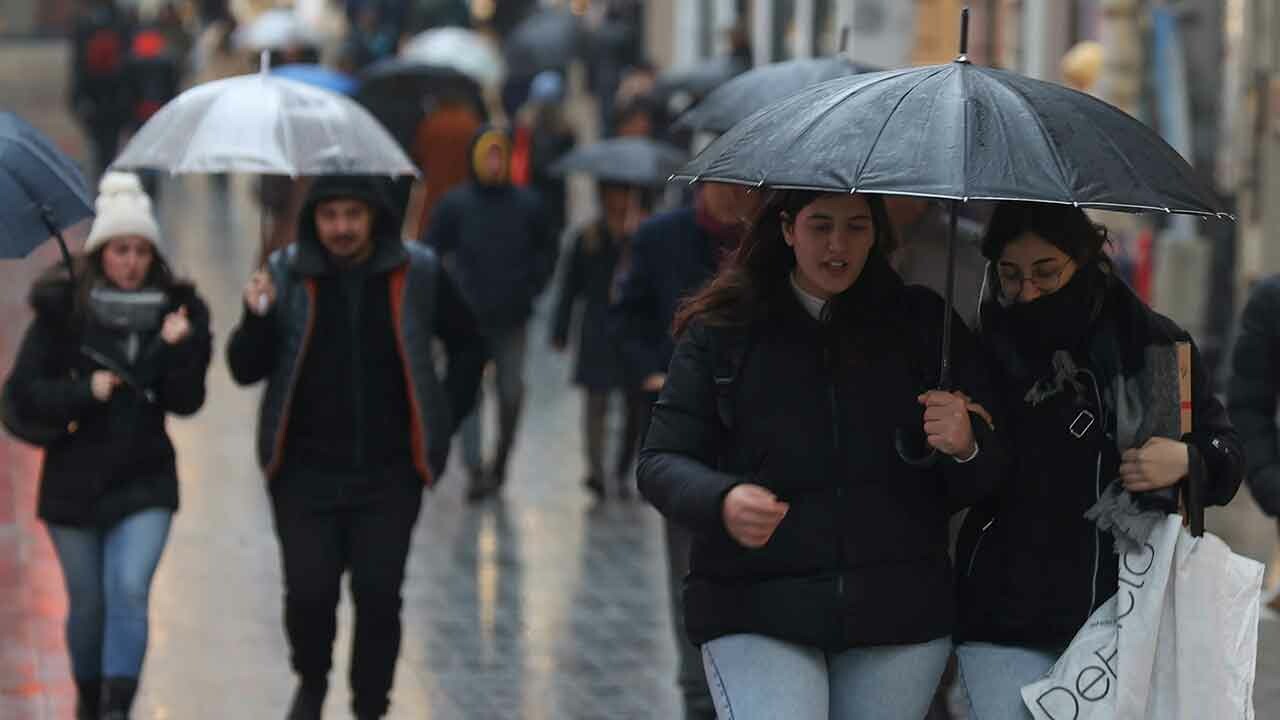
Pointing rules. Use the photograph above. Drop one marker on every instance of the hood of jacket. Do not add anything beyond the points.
(312, 258)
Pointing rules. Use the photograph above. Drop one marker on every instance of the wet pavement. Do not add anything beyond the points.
(540, 605)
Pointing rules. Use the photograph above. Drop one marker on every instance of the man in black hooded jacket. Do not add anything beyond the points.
(354, 420)
(500, 245)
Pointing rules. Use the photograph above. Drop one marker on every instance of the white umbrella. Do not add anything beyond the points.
(263, 123)
(468, 52)
(276, 29)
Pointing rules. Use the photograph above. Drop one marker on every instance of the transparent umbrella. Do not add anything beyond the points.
(470, 53)
(264, 123)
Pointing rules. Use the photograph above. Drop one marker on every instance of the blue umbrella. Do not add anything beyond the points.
(41, 190)
(318, 76)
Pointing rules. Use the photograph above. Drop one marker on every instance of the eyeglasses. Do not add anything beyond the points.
(1044, 279)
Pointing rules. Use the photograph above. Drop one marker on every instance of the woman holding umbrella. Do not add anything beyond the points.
(820, 580)
(113, 350)
(1088, 380)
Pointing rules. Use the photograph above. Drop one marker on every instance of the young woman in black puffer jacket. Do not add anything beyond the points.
(1087, 379)
(114, 349)
(820, 582)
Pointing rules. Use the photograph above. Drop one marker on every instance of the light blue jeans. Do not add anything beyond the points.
(754, 676)
(108, 575)
(993, 676)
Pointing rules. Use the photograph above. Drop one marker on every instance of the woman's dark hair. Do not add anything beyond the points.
(1066, 227)
(760, 266)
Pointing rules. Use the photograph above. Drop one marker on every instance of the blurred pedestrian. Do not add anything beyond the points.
(152, 76)
(542, 135)
(99, 90)
(113, 350)
(819, 582)
(922, 237)
(1252, 396)
(499, 243)
(596, 255)
(1087, 380)
(672, 255)
(354, 422)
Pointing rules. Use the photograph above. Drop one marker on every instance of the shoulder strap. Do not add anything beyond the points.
(731, 357)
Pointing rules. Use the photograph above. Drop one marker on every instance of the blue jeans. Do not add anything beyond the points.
(754, 676)
(108, 575)
(993, 676)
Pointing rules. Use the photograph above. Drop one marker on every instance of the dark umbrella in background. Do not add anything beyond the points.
(401, 92)
(761, 87)
(546, 40)
(699, 79)
(959, 132)
(635, 161)
(43, 190)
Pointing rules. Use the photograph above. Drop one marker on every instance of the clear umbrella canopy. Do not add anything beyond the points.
(263, 123)
(470, 53)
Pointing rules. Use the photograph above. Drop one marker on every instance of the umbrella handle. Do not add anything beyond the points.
(46, 214)
(911, 447)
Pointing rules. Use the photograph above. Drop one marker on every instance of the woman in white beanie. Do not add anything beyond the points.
(113, 349)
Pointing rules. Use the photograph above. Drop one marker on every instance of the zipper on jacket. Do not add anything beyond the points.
(973, 556)
(830, 366)
(1097, 544)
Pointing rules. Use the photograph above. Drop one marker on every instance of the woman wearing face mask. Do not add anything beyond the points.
(111, 352)
(1087, 379)
(820, 579)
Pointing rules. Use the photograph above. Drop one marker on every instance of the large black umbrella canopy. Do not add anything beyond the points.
(637, 161)
(957, 131)
(401, 92)
(545, 40)
(760, 87)
(42, 189)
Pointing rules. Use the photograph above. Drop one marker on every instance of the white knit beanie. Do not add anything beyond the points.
(123, 208)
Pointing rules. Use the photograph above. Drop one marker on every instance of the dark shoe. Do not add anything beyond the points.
(88, 695)
(117, 697)
(477, 485)
(307, 703)
(595, 486)
(625, 482)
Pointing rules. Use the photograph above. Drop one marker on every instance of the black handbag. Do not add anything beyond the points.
(40, 434)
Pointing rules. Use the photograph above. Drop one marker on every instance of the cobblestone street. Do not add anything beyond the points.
(541, 605)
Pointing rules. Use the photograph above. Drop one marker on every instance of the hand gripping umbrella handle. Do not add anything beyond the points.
(909, 442)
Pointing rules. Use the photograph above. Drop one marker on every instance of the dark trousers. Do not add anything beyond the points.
(595, 423)
(367, 533)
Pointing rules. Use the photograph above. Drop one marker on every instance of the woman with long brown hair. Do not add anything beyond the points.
(820, 582)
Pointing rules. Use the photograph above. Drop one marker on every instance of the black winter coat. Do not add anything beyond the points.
(589, 277)
(861, 557)
(671, 257)
(1032, 569)
(1254, 390)
(117, 458)
(499, 247)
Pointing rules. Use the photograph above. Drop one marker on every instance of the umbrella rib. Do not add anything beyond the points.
(857, 176)
(1044, 132)
(1125, 159)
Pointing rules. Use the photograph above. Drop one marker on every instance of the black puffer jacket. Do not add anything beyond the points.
(1031, 567)
(117, 458)
(862, 556)
(1255, 389)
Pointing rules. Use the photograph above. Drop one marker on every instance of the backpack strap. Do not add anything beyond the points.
(731, 357)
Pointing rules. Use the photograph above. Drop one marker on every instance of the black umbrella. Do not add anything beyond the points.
(701, 77)
(754, 89)
(401, 92)
(43, 191)
(546, 40)
(627, 161)
(960, 132)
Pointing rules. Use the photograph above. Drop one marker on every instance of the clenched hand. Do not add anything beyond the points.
(751, 514)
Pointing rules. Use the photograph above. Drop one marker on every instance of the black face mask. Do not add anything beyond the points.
(1060, 320)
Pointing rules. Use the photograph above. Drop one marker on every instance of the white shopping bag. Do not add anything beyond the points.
(1178, 641)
